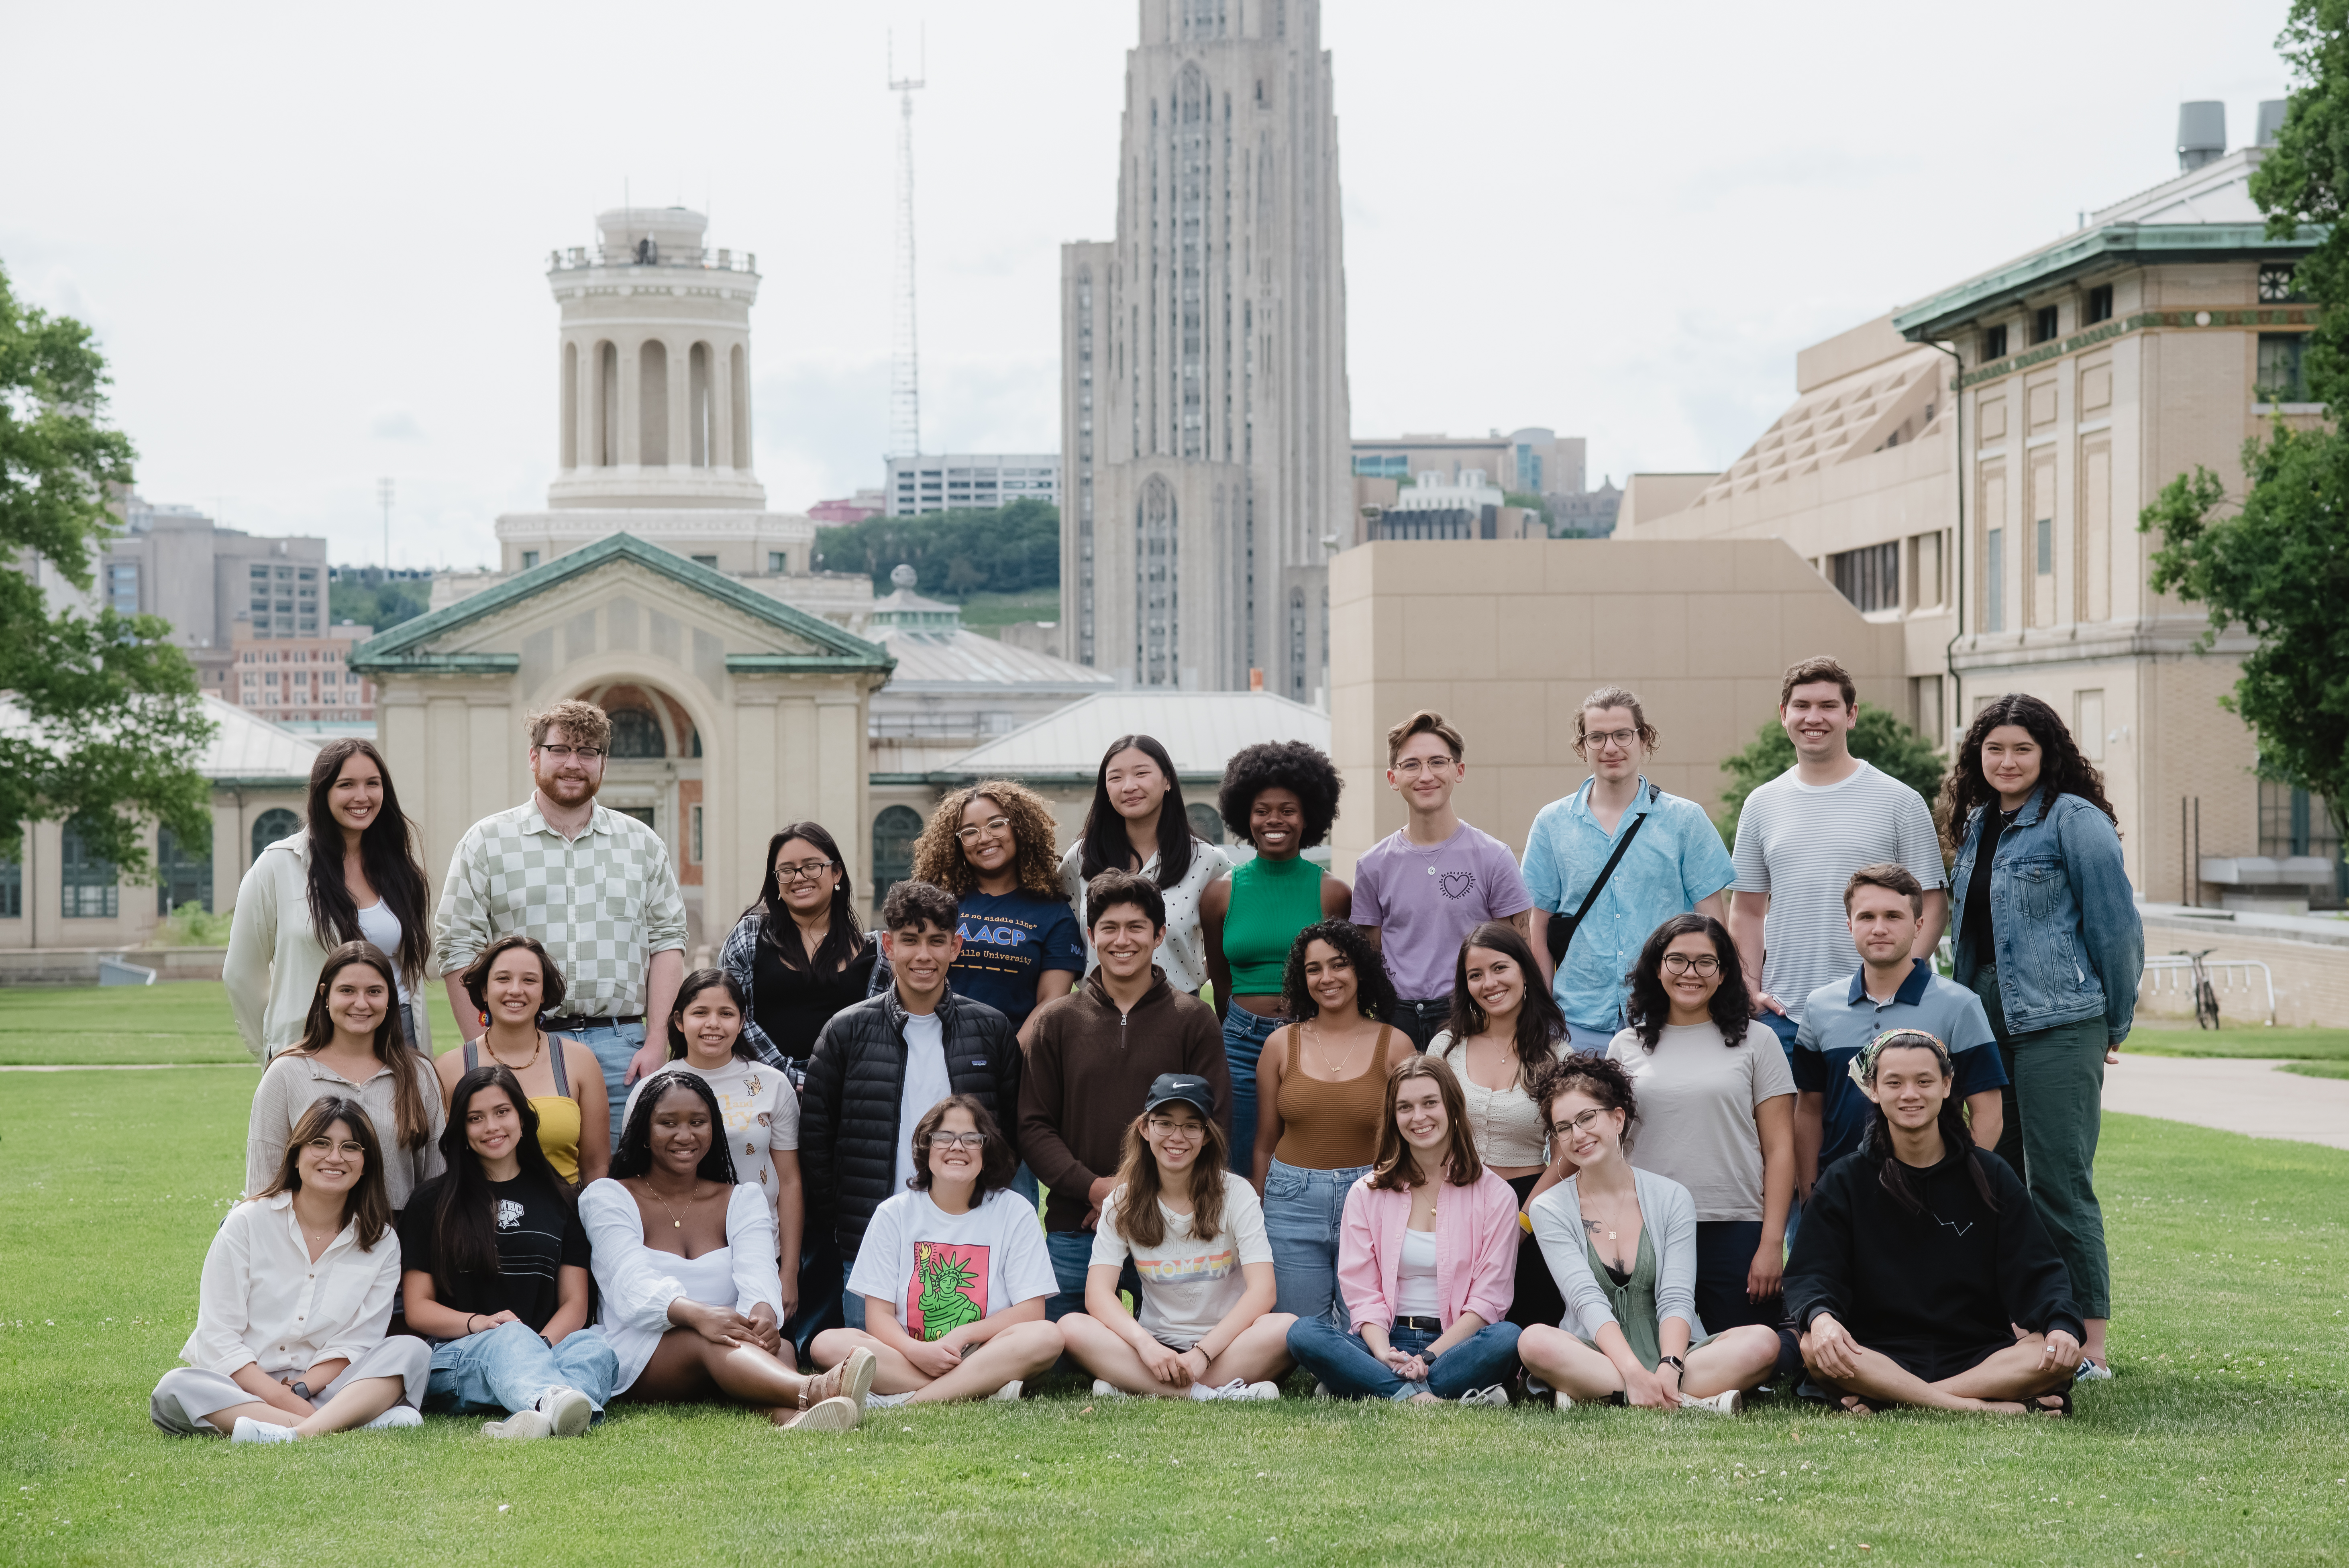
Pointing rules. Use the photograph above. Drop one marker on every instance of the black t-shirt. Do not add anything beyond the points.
(792, 1005)
(1977, 928)
(536, 1233)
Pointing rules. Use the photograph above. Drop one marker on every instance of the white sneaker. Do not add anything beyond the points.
(1234, 1390)
(1560, 1398)
(1729, 1402)
(1493, 1396)
(398, 1416)
(1105, 1389)
(886, 1400)
(1260, 1391)
(1009, 1393)
(520, 1424)
(1321, 1391)
(248, 1430)
(2091, 1372)
(568, 1411)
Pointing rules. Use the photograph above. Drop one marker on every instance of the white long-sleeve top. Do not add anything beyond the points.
(635, 1283)
(264, 1300)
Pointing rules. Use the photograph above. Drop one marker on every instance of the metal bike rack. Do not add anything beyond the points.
(2176, 972)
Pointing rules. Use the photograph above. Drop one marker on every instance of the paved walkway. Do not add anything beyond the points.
(2231, 1094)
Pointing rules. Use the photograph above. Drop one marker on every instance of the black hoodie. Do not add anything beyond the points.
(1953, 1277)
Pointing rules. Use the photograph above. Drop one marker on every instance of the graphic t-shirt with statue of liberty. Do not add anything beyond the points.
(939, 1271)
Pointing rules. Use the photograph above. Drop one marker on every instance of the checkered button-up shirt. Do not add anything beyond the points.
(603, 903)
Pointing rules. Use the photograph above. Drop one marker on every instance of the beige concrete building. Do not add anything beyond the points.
(1204, 402)
(1505, 639)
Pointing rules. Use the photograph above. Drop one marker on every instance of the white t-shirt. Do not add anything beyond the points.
(1697, 1099)
(762, 1115)
(941, 1271)
(1799, 843)
(1188, 1285)
(926, 1083)
(380, 927)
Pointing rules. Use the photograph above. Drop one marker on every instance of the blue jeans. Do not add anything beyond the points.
(615, 1046)
(1073, 1255)
(1244, 1037)
(1346, 1367)
(1303, 1211)
(508, 1367)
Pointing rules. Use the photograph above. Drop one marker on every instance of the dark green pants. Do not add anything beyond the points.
(2054, 1111)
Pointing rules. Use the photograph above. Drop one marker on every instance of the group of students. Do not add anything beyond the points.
(1397, 1149)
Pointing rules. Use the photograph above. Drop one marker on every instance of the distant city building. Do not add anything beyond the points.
(1589, 515)
(865, 503)
(1531, 461)
(1444, 506)
(1202, 364)
(955, 481)
(306, 680)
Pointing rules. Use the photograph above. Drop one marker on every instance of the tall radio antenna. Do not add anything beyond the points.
(905, 368)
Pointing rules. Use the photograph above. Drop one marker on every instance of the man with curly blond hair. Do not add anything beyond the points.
(992, 846)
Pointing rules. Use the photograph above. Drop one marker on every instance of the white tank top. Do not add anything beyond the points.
(1416, 1280)
(380, 927)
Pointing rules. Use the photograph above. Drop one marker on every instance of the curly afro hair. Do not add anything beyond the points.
(1306, 771)
(1602, 1077)
(938, 857)
(1374, 994)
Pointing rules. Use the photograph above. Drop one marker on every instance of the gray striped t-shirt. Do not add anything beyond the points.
(1799, 843)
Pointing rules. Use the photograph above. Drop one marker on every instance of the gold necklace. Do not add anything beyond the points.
(1323, 1046)
(537, 1051)
(675, 1223)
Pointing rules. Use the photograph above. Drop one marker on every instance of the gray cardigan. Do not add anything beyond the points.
(1667, 1214)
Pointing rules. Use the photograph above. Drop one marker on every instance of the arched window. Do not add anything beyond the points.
(637, 733)
(183, 874)
(1207, 823)
(894, 833)
(273, 825)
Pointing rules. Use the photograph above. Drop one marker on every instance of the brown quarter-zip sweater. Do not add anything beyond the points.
(1089, 1068)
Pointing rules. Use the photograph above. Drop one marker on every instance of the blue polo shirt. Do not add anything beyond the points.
(1839, 1020)
(1677, 859)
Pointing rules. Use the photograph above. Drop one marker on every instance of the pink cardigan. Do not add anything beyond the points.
(1476, 1251)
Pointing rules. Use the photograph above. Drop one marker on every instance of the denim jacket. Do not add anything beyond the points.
(2062, 916)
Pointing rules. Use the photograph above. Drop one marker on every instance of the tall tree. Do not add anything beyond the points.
(2278, 564)
(104, 716)
(1877, 737)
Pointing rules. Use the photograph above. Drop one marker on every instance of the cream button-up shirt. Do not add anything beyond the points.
(264, 1300)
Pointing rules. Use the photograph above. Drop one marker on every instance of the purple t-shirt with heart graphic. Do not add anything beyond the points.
(1424, 898)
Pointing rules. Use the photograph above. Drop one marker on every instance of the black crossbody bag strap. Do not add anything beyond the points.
(1562, 925)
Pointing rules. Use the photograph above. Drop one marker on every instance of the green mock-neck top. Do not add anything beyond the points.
(1271, 901)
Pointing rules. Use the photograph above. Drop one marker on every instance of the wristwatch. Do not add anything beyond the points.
(303, 1389)
(1679, 1364)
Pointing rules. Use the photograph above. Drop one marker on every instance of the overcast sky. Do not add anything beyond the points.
(313, 239)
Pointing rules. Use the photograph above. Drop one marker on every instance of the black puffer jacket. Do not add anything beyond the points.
(850, 1119)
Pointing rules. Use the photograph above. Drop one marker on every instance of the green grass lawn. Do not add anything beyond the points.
(985, 611)
(2287, 1044)
(2224, 1438)
(183, 1021)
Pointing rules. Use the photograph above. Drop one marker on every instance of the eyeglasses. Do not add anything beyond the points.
(991, 827)
(946, 1141)
(1614, 739)
(565, 753)
(1575, 1124)
(1705, 964)
(349, 1149)
(805, 871)
(1413, 768)
(1165, 1128)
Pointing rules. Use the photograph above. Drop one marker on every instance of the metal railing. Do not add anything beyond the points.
(646, 253)
(2179, 973)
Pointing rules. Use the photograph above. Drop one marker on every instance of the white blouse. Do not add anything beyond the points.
(1505, 1122)
(1183, 954)
(637, 1284)
(263, 1300)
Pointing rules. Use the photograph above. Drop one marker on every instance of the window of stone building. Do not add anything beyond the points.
(2042, 325)
(2294, 822)
(529, 559)
(1994, 581)
(778, 563)
(2100, 304)
(709, 561)
(1869, 577)
(12, 891)
(2282, 372)
(183, 875)
(90, 886)
(894, 833)
(2279, 284)
(637, 733)
(1994, 343)
(1207, 823)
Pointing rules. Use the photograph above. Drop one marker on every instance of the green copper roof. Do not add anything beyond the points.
(2093, 248)
(404, 646)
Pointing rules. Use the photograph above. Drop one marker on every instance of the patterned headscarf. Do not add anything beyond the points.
(1863, 1066)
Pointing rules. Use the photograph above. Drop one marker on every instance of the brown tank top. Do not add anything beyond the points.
(1331, 1126)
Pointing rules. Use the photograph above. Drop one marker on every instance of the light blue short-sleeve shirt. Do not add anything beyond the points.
(1677, 859)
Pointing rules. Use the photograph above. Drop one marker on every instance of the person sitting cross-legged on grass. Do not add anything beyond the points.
(953, 1273)
(1621, 1243)
(686, 1262)
(1922, 1275)
(494, 1269)
(1205, 1328)
(1427, 1260)
(296, 1293)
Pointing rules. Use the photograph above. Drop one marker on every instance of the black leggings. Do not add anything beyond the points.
(1537, 1300)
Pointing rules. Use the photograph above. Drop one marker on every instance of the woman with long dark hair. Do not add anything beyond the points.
(799, 953)
(349, 876)
(297, 1291)
(1280, 797)
(1429, 1260)
(350, 1047)
(1203, 1326)
(1317, 1125)
(1506, 1029)
(2047, 935)
(512, 984)
(684, 1258)
(991, 845)
(493, 1272)
(1719, 1110)
(1137, 823)
(1922, 1274)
